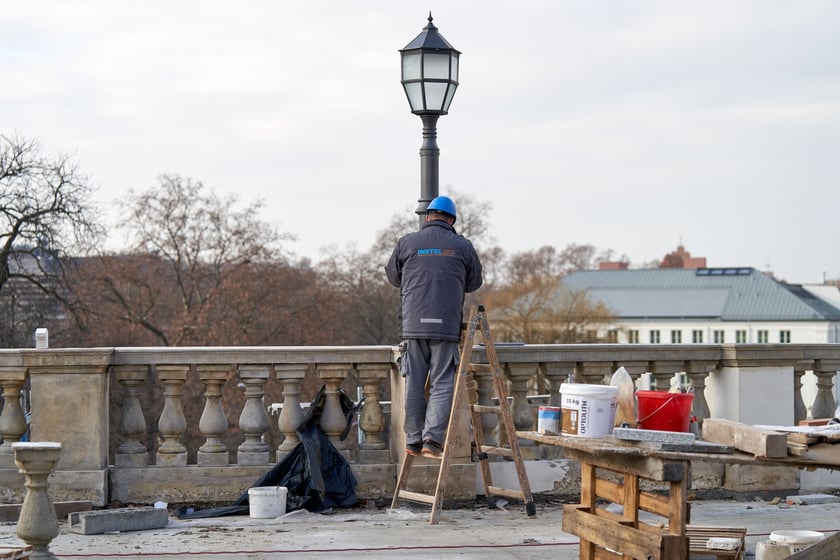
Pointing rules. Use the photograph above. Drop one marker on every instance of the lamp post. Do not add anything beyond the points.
(429, 78)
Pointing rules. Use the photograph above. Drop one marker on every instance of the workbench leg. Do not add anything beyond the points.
(588, 499)
(679, 509)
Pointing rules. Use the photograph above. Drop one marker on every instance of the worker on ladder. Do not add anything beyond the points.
(433, 268)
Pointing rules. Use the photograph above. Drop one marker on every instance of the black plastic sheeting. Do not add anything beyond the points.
(316, 474)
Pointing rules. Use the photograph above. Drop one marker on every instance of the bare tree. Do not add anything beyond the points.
(190, 253)
(45, 215)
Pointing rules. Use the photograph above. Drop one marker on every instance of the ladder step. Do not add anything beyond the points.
(508, 492)
(484, 368)
(417, 497)
(491, 450)
(487, 408)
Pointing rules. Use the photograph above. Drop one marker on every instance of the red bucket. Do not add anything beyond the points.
(664, 411)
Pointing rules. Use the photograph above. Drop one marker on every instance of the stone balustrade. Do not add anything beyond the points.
(70, 388)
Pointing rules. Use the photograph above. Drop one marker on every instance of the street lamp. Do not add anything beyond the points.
(429, 78)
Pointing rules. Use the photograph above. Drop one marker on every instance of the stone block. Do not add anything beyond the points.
(123, 520)
(755, 478)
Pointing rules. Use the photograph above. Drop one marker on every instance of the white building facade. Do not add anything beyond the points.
(710, 306)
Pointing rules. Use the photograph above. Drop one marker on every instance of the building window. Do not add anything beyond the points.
(612, 336)
(633, 337)
(654, 337)
(718, 337)
(676, 337)
(740, 337)
(697, 337)
(784, 337)
(762, 337)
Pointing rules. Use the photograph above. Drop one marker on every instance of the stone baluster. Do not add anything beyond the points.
(37, 524)
(486, 391)
(372, 418)
(824, 404)
(556, 373)
(132, 425)
(12, 419)
(290, 376)
(800, 411)
(698, 371)
(253, 421)
(663, 371)
(520, 374)
(593, 373)
(213, 423)
(172, 423)
(333, 421)
(635, 369)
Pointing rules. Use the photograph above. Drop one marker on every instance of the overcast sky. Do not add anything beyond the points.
(628, 125)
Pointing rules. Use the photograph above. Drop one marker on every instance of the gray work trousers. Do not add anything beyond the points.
(436, 359)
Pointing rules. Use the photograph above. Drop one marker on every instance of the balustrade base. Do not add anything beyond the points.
(183, 485)
(131, 459)
(212, 459)
(751, 478)
(171, 459)
(65, 486)
(369, 456)
(7, 461)
(252, 457)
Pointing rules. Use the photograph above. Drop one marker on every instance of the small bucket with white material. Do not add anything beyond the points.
(267, 502)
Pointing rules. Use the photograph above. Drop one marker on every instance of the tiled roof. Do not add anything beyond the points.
(726, 294)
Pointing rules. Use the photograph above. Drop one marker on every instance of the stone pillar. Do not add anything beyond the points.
(634, 368)
(172, 423)
(593, 373)
(556, 373)
(486, 390)
(663, 371)
(132, 427)
(520, 374)
(333, 421)
(698, 371)
(37, 525)
(372, 419)
(12, 419)
(253, 421)
(213, 422)
(290, 376)
(800, 411)
(824, 404)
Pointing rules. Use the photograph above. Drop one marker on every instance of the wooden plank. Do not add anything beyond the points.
(758, 441)
(630, 541)
(652, 468)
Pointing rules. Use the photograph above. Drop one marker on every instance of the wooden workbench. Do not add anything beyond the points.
(613, 472)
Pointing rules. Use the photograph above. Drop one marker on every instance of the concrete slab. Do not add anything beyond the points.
(634, 434)
(813, 499)
(118, 520)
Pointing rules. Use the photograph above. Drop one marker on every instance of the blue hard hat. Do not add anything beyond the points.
(442, 204)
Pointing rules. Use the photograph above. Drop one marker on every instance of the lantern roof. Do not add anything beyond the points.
(430, 39)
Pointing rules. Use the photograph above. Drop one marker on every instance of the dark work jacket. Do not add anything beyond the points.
(433, 268)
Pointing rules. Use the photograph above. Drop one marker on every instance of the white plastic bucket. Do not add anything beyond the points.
(548, 420)
(587, 410)
(267, 502)
(796, 540)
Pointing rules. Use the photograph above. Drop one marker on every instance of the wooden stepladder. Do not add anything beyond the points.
(466, 388)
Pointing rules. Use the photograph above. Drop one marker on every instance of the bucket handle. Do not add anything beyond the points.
(652, 414)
